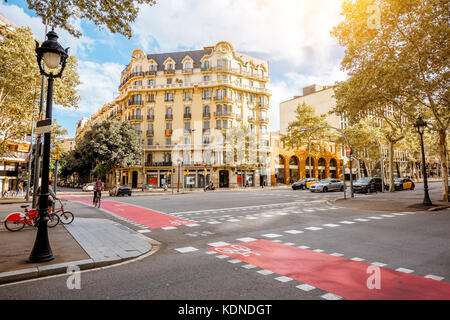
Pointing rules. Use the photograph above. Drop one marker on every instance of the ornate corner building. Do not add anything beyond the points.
(181, 104)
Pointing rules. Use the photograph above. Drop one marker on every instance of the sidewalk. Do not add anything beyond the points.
(87, 243)
(398, 201)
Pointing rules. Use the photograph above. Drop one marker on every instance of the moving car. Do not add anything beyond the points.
(304, 183)
(327, 185)
(368, 185)
(88, 187)
(120, 190)
(402, 184)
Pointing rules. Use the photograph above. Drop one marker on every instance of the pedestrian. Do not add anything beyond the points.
(20, 189)
(51, 198)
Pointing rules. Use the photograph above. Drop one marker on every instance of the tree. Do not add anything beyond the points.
(300, 135)
(397, 54)
(109, 145)
(115, 15)
(20, 83)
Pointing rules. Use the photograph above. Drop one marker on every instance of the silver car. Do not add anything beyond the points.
(327, 185)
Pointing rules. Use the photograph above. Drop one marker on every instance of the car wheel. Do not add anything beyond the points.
(342, 188)
(412, 187)
(325, 189)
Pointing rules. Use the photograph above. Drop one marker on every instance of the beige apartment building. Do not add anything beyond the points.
(187, 107)
(322, 99)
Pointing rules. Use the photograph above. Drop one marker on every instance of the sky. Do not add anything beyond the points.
(294, 35)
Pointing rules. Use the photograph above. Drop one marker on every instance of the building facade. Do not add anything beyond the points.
(188, 108)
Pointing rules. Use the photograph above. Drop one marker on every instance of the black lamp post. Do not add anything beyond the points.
(53, 55)
(420, 125)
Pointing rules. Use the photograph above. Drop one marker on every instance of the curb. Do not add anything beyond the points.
(438, 208)
(61, 268)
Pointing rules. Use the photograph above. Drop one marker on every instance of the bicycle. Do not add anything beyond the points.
(65, 217)
(16, 221)
(97, 199)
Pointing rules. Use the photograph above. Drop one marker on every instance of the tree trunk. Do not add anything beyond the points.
(444, 163)
(391, 167)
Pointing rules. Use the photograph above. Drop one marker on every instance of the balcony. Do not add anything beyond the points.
(150, 73)
(206, 115)
(187, 116)
(138, 132)
(206, 69)
(135, 117)
(187, 70)
(169, 71)
(206, 97)
(263, 105)
(168, 100)
(251, 118)
(206, 131)
(169, 116)
(221, 98)
(159, 164)
(150, 133)
(222, 114)
(151, 117)
(264, 119)
(135, 103)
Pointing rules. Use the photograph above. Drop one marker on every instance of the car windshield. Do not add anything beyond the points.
(398, 179)
(364, 180)
(325, 180)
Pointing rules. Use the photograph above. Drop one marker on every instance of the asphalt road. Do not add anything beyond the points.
(185, 267)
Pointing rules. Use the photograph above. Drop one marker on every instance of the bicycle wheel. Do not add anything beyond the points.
(14, 226)
(66, 217)
(53, 220)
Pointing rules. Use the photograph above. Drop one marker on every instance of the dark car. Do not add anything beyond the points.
(402, 184)
(368, 185)
(120, 190)
(304, 183)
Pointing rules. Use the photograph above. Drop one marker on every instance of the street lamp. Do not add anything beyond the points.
(53, 55)
(420, 125)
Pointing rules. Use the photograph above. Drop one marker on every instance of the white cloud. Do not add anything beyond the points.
(99, 82)
(297, 31)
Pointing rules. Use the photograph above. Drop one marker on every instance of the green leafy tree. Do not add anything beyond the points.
(115, 15)
(397, 54)
(111, 144)
(20, 84)
(301, 132)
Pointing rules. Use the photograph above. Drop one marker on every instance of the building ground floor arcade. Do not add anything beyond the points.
(290, 166)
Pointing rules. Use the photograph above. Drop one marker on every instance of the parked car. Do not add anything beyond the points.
(120, 190)
(327, 185)
(88, 187)
(402, 184)
(304, 183)
(368, 185)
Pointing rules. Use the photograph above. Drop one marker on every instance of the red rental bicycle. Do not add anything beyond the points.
(16, 221)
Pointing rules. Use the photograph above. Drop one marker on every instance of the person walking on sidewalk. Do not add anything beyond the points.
(98, 187)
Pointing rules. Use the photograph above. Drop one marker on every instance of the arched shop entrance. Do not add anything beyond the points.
(333, 168)
(279, 169)
(293, 169)
(224, 179)
(321, 169)
(309, 167)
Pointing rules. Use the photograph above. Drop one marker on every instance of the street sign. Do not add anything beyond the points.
(44, 126)
(348, 151)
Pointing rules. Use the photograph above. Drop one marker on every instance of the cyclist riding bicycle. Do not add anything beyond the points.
(98, 187)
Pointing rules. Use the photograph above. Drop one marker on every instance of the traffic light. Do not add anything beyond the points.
(57, 153)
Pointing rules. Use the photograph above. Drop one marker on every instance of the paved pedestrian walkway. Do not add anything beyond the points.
(86, 243)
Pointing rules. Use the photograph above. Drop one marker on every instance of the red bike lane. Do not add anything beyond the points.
(146, 217)
(343, 277)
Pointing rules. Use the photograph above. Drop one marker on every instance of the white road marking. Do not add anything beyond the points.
(305, 287)
(294, 231)
(347, 222)
(303, 247)
(264, 272)
(218, 244)
(431, 276)
(271, 235)
(404, 270)
(379, 264)
(233, 220)
(331, 225)
(169, 228)
(331, 296)
(246, 239)
(357, 259)
(337, 254)
(234, 261)
(283, 279)
(362, 220)
(186, 249)
(143, 231)
(375, 218)
(313, 228)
